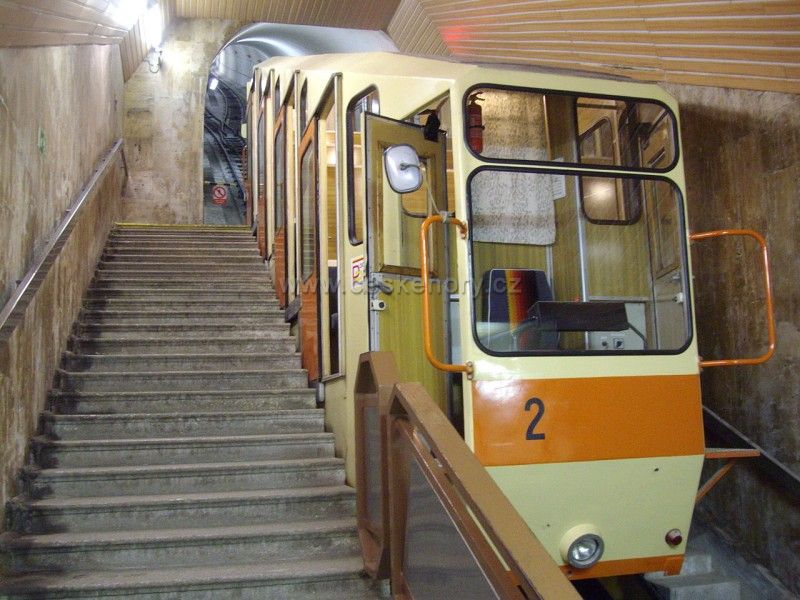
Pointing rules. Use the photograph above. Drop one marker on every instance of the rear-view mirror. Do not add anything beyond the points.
(402, 167)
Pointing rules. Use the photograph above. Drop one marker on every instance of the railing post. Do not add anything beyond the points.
(376, 378)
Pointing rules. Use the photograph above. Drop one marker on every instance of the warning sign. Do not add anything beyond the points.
(219, 195)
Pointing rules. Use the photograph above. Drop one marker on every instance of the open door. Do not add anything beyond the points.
(279, 207)
(260, 187)
(309, 252)
(394, 222)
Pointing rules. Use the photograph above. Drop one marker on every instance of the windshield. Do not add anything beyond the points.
(566, 263)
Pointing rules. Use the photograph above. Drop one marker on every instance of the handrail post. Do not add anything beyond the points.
(426, 315)
(375, 380)
(729, 362)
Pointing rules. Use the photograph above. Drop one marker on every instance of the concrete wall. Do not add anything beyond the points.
(163, 125)
(742, 153)
(74, 95)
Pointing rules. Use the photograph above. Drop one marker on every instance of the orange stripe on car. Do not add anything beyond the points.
(564, 420)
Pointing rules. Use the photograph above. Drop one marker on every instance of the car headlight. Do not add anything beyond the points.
(582, 546)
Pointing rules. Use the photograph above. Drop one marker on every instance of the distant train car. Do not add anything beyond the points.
(549, 309)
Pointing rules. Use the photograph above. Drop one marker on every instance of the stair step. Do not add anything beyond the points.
(181, 344)
(181, 401)
(256, 275)
(178, 362)
(213, 509)
(162, 479)
(326, 579)
(260, 284)
(179, 293)
(168, 268)
(184, 246)
(148, 228)
(153, 381)
(272, 318)
(181, 258)
(304, 541)
(697, 563)
(181, 235)
(179, 450)
(268, 304)
(167, 425)
(183, 330)
(701, 586)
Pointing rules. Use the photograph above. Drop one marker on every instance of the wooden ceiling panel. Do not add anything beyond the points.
(743, 43)
(357, 14)
(729, 43)
(56, 22)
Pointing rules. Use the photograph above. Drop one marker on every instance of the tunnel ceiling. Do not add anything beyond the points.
(355, 14)
(737, 43)
(731, 43)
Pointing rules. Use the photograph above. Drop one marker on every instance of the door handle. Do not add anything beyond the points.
(374, 283)
(426, 313)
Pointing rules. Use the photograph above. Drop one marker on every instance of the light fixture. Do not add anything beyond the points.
(582, 546)
(213, 82)
(154, 60)
(127, 12)
(153, 25)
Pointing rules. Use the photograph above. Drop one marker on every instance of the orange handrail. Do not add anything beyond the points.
(426, 315)
(729, 362)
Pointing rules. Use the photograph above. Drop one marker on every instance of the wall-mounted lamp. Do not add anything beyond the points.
(153, 23)
(154, 60)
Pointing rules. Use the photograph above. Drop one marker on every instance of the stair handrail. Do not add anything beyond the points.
(15, 306)
(509, 554)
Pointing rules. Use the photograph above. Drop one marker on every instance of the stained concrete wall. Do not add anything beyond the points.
(742, 157)
(163, 125)
(74, 94)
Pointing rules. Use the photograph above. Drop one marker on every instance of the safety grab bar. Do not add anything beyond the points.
(426, 316)
(730, 362)
(11, 313)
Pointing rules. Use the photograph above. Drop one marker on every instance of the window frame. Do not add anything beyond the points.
(681, 208)
(279, 128)
(356, 237)
(309, 140)
(571, 93)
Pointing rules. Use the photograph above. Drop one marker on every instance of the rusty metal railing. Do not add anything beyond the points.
(757, 360)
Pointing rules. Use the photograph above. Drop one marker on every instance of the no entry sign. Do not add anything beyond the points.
(219, 195)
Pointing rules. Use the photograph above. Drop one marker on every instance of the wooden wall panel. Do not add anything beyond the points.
(739, 44)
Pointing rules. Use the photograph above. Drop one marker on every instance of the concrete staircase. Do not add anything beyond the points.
(698, 580)
(182, 455)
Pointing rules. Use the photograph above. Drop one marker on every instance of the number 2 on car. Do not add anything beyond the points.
(537, 407)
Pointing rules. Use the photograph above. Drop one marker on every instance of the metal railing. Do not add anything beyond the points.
(732, 362)
(429, 513)
(425, 272)
(15, 306)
